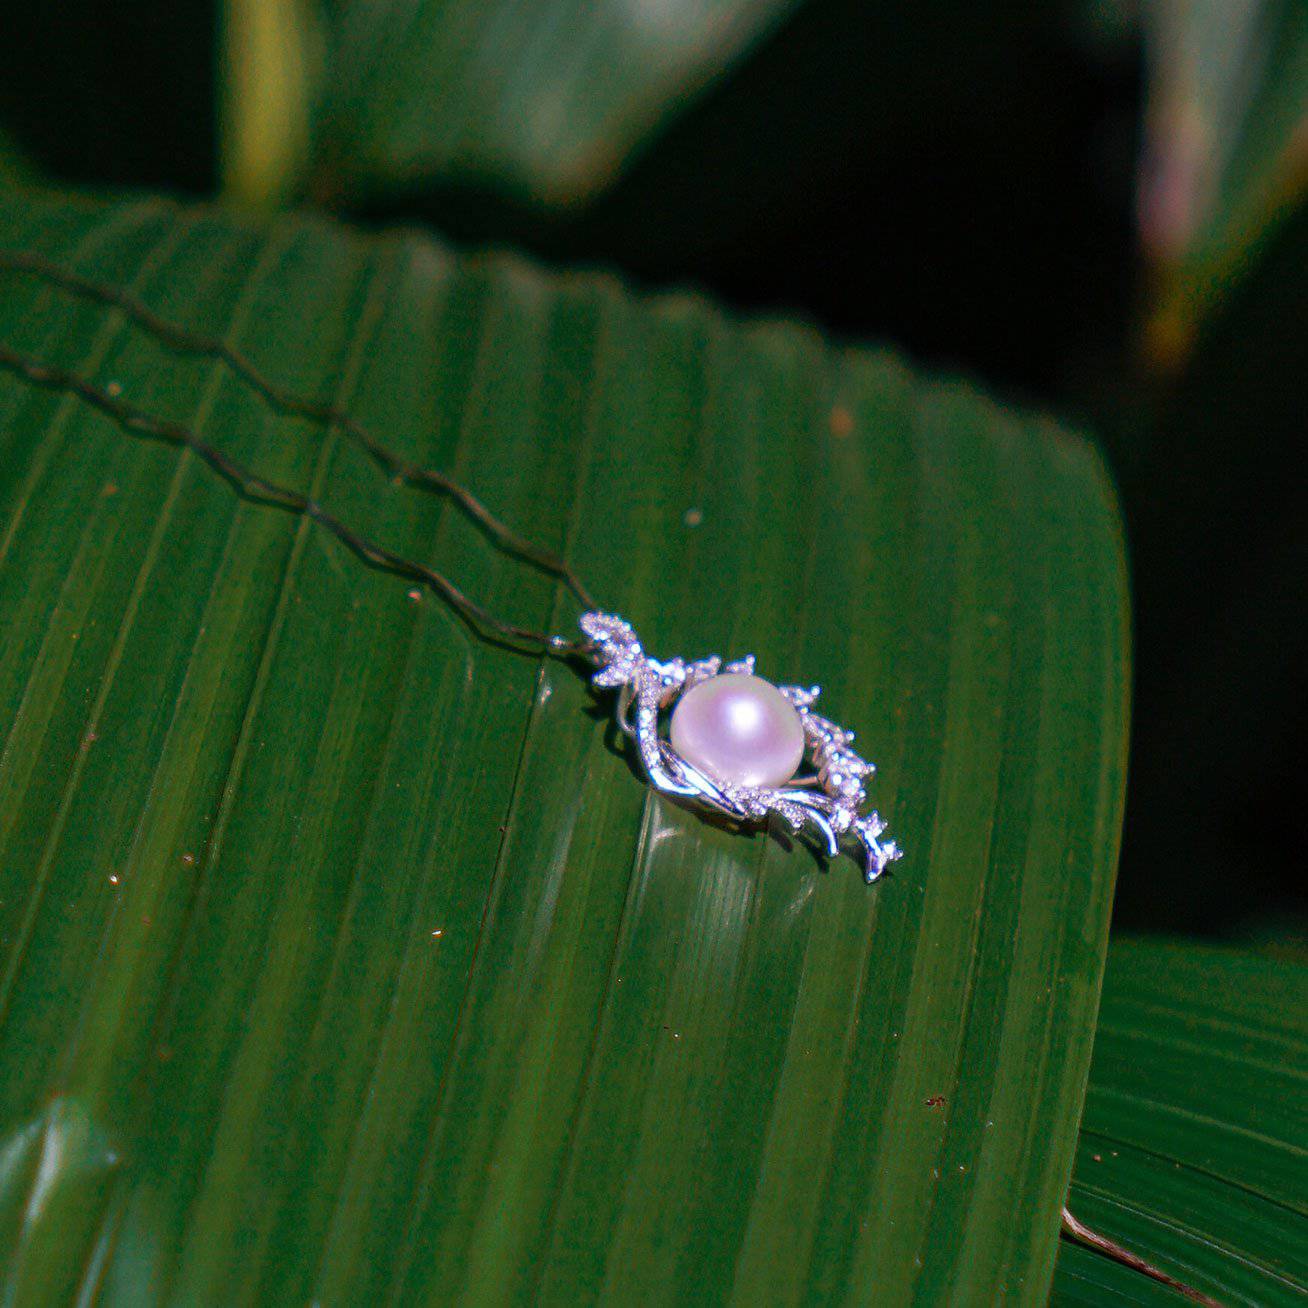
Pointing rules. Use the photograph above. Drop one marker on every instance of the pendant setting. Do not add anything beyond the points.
(737, 741)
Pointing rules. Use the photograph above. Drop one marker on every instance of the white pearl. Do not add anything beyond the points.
(739, 729)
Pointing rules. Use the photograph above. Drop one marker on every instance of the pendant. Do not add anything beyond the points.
(735, 742)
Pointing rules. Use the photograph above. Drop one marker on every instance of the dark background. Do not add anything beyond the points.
(959, 180)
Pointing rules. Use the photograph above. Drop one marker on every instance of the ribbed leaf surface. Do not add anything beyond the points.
(1194, 1150)
(342, 956)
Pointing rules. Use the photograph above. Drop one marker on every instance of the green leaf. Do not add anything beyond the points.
(1193, 1152)
(343, 955)
(546, 102)
(1226, 150)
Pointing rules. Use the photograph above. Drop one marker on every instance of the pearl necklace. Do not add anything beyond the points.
(735, 742)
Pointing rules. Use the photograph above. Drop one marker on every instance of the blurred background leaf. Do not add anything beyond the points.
(915, 181)
(1194, 1145)
(545, 102)
(342, 955)
(1226, 150)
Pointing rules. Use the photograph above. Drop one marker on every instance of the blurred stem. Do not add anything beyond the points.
(268, 48)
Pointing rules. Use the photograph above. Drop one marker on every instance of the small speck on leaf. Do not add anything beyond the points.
(693, 517)
(842, 422)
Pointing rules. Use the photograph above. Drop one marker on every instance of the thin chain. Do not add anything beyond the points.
(253, 486)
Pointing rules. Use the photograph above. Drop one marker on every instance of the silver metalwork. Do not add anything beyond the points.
(829, 800)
